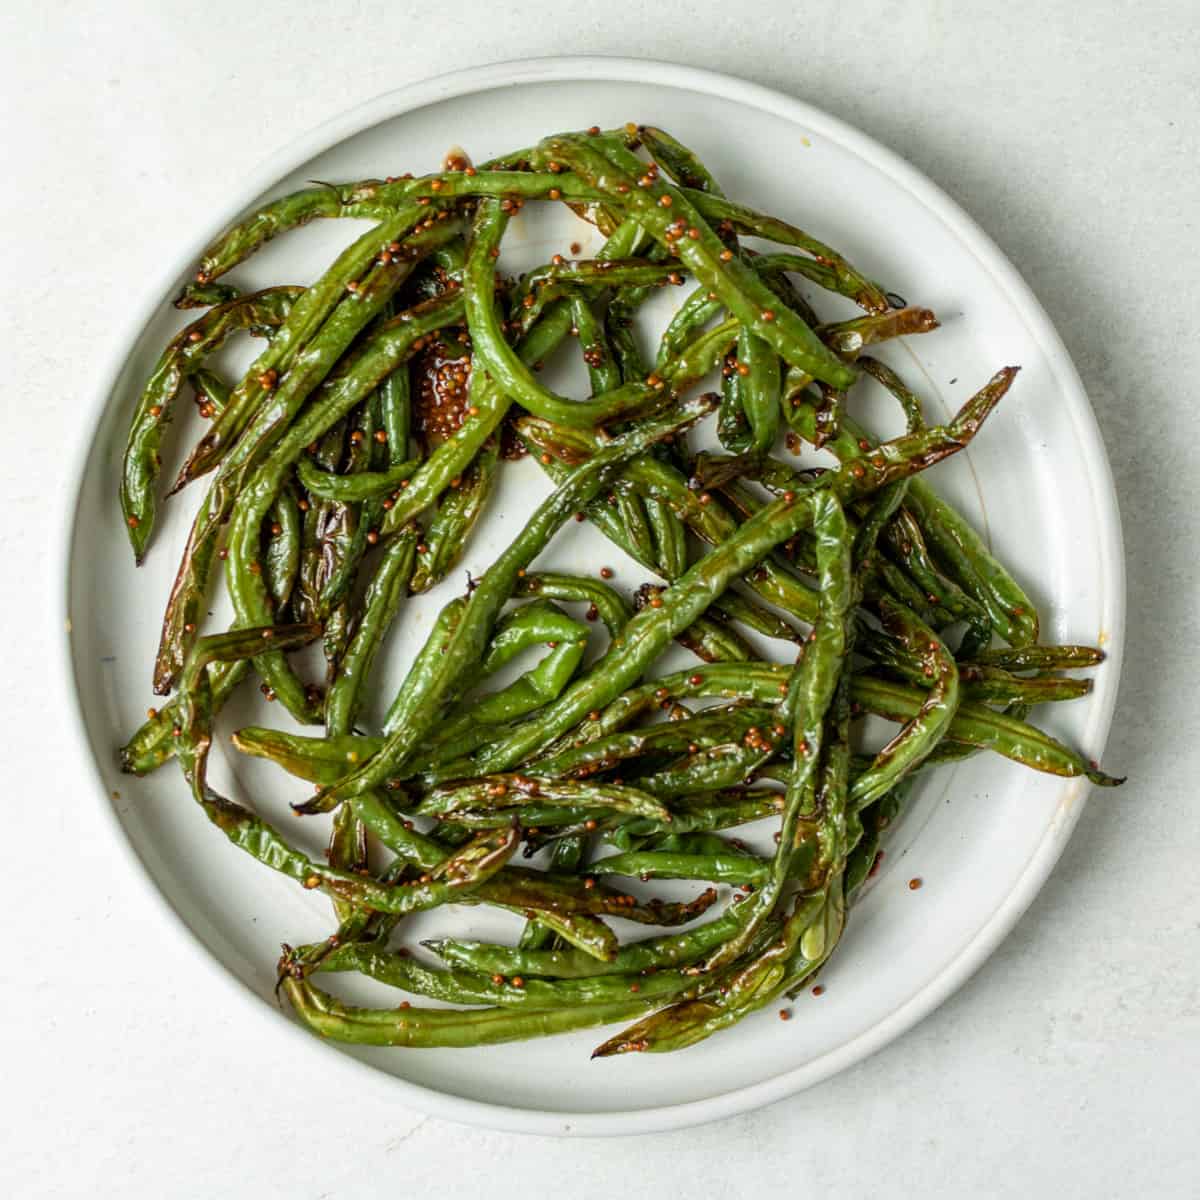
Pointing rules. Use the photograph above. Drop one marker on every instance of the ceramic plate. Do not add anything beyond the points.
(982, 836)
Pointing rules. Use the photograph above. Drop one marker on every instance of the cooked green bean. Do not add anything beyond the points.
(184, 354)
(421, 703)
(353, 461)
(741, 291)
(384, 595)
(607, 602)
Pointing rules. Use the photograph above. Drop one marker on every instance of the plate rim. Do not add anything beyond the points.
(622, 69)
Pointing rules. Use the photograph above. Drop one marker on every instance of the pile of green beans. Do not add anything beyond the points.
(349, 468)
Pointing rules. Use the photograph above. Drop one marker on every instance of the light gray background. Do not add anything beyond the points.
(1068, 1066)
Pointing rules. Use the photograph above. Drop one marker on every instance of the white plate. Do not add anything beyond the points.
(983, 836)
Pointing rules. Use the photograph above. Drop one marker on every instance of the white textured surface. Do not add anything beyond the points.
(1068, 1066)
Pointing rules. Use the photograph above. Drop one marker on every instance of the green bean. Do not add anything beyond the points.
(396, 413)
(317, 760)
(589, 754)
(513, 187)
(478, 861)
(877, 516)
(353, 489)
(458, 512)
(705, 814)
(556, 906)
(541, 818)
(420, 705)
(735, 607)
(205, 295)
(443, 1027)
(907, 542)
(926, 728)
(670, 536)
(328, 454)
(811, 690)
(810, 934)
(393, 343)
(350, 657)
(704, 517)
(541, 891)
(708, 813)
(189, 591)
(972, 565)
(436, 644)
(733, 426)
(560, 280)
(464, 987)
(609, 606)
(695, 843)
(648, 864)
(311, 453)
(779, 283)
(361, 925)
(751, 413)
(760, 392)
(565, 858)
(740, 290)
(604, 375)
(562, 901)
(889, 578)
(822, 275)
(876, 819)
(651, 954)
(745, 220)
(633, 519)
(382, 601)
(977, 725)
(682, 163)
(909, 401)
(536, 623)
(962, 551)
(487, 407)
(812, 929)
(619, 321)
(504, 364)
(903, 535)
(211, 391)
(712, 768)
(194, 708)
(250, 233)
(348, 536)
(849, 338)
(1038, 658)
(993, 685)
(600, 512)
(304, 325)
(154, 744)
(650, 631)
(465, 727)
(346, 851)
(713, 640)
(183, 356)
(513, 791)
(689, 318)
(281, 558)
(973, 723)
(314, 361)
